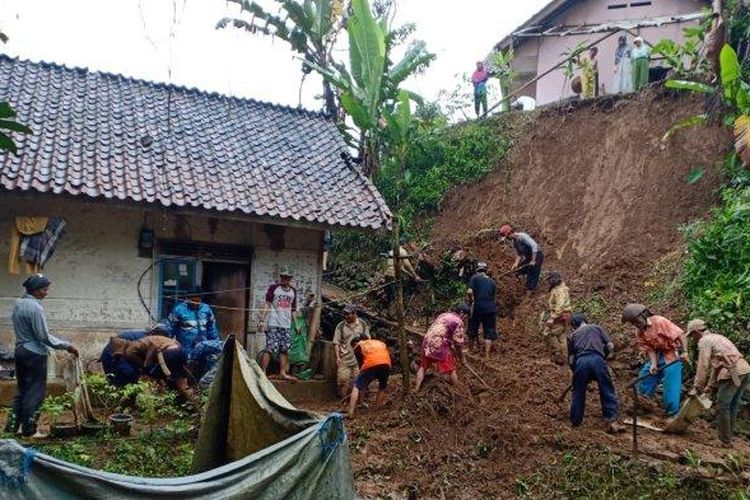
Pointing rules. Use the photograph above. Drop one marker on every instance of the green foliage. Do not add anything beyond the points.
(687, 59)
(717, 271)
(371, 86)
(55, 406)
(9, 124)
(440, 158)
(593, 473)
(310, 28)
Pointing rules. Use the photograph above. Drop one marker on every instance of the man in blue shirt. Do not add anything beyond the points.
(193, 324)
(33, 342)
(589, 347)
(481, 294)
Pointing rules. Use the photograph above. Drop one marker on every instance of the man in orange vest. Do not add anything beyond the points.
(374, 364)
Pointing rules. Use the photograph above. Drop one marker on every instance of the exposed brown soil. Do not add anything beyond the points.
(604, 197)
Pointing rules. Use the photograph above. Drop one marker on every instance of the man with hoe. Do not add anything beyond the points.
(33, 342)
(276, 319)
(443, 343)
(590, 347)
(352, 327)
(722, 367)
(665, 345)
(481, 294)
(529, 257)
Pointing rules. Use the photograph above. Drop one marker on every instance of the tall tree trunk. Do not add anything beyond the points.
(403, 348)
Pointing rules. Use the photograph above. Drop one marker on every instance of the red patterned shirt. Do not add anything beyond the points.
(661, 336)
(445, 333)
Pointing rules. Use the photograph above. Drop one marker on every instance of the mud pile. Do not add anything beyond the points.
(605, 197)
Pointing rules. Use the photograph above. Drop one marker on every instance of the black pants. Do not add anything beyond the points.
(31, 380)
(533, 272)
(488, 321)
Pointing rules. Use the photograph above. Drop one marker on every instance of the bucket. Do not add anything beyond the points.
(121, 423)
(92, 428)
(63, 430)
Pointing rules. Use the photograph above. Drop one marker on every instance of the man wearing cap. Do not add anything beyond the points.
(276, 319)
(193, 324)
(481, 294)
(529, 257)
(589, 348)
(720, 366)
(33, 342)
(351, 327)
(664, 343)
(443, 343)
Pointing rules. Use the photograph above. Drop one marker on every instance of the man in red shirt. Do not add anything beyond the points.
(662, 342)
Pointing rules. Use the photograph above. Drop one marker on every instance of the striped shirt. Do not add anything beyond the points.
(30, 325)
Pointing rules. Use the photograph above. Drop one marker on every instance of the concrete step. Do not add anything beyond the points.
(55, 387)
(307, 390)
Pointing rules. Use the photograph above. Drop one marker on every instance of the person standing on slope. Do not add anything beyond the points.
(529, 257)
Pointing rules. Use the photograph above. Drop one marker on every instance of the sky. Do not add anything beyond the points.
(175, 41)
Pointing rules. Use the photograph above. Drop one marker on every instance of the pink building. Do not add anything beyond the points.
(536, 54)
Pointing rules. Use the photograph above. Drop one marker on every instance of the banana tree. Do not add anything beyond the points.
(371, 84)
(735, 91)
(310, 27)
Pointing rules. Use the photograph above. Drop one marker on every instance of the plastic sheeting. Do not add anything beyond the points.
(287, 453)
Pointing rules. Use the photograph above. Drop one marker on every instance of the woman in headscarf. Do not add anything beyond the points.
(640, 54)
(623, 72)
(590, 74)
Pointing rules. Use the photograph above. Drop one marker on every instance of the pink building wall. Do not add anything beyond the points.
(553, 86)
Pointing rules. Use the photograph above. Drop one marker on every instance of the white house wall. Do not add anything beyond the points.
(96, 266)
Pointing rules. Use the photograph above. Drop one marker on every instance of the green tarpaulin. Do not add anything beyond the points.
(252, 444)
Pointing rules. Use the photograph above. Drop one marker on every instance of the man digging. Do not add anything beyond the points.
(589, 348)
(722, 367)
(664, 343)
(481, 294)
(443, 343)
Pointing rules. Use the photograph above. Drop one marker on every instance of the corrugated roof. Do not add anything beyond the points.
(106, 136)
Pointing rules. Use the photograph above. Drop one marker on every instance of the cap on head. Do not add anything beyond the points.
(482, 267)
(633, 311)
(195, 291)
(462, 308)
(554, 278)
(349, 308)
(577, 320)
(505, 231)
(638, 39)
(36, 282)
(696, 325)
(285, 271)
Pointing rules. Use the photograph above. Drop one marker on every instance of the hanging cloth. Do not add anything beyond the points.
(36, 249)
(24, 226)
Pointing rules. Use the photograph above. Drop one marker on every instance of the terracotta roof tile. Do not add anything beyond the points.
(107, 136)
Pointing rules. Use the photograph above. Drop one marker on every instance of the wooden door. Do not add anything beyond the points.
(226, 285)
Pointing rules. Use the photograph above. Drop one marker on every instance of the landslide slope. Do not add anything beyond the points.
(595, 183)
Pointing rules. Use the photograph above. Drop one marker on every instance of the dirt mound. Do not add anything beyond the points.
(595, 183)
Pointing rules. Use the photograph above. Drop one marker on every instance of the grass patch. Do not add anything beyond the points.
(593, 473)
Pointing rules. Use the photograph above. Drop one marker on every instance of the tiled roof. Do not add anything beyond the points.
(106, 136)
